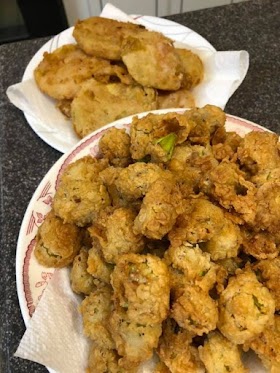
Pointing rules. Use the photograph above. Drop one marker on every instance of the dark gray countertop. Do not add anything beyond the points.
(253, 26)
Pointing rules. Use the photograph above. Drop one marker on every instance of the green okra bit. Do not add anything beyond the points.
(167, 143)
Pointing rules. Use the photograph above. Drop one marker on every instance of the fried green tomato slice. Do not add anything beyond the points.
(103, 37)
(97, 104)
(192, 67)
(152, 60)
(246, 308)
(220, 355)
(182, 98)
(96, 309)
(141, 287)
(81, 194)
(57, 243)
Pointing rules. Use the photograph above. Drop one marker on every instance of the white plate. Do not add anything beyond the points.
(65, 139)
(31, 277)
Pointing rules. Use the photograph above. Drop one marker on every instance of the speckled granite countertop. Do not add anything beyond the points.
(253, 26)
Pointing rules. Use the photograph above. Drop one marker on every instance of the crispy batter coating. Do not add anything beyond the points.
(200, 221)
(142, 286)
(97, 104)
(148, 133)
(97, 266)
(188, 264)
(219, 355)
(227, 184)
(160, 208)
(246, 307)
(134, 341)
(134, 181)
(266, 175)
(260, 245)
(176, 351)
(102, 360)
(267, 346)
(80, 194)
(103, 37)
(182, 98)
(195, 310)
(225, 144)
(152, 60)
(96, 309)
(192, 66)
(81, 281)
(114, 145)
(57, 243)
(252, 158)
(268, 272)
(65, 107)
(114, 231)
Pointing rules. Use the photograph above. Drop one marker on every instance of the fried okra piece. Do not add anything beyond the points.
(97, 266)
(260, 245)
(225, 144)
(252, 158)
(115, 146)
(113, 229)
(134, 341)
(175, 349)
(132, 182)
(96, 309)
(267, 346)
(268, 272)
(192, 67)
(102, 360)
(200, 221)
(246, 308)
(159, 210)
(219, 355)
(81, 281)
(188, 264)
(97, 104)
(154, 136)
(103, 37)
(195, 310)
(152, 61)
(81, 194)
(141, 287)
(57, 243)
(227, 184)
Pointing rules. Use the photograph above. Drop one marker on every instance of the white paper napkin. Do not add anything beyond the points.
(224, 72)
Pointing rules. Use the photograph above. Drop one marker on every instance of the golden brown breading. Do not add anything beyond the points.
(219, 355)
(260, 245)
(114, 145)
(97, 266)
(57, 243)
(182, 98)
(96, 309)
(225, 144)
(141, 286)
(103, 37)
(268, 272)
(155, 136)
(200, 221)
(192, 67)
(81, 281)
(134, 341)
(195, 310)
(267, 346)
(246, 308)
(266, 175)
(97, 104)
(159, 210)
(80, 194)
(65, 107)
(152, 61)
(252, 158)
(175, 349)
(113, 231)
(102, 360)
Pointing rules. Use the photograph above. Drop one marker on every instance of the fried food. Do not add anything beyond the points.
(192, 67)
(220, 355)
(57, 243)
(141, 287)
(246, 308)
(113, 229)
(182, 98)
(97, 104)
(103, 37)
(81, 194)
(97, 266)
(261, 245)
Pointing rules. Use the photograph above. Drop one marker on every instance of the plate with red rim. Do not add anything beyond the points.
(31, 277)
